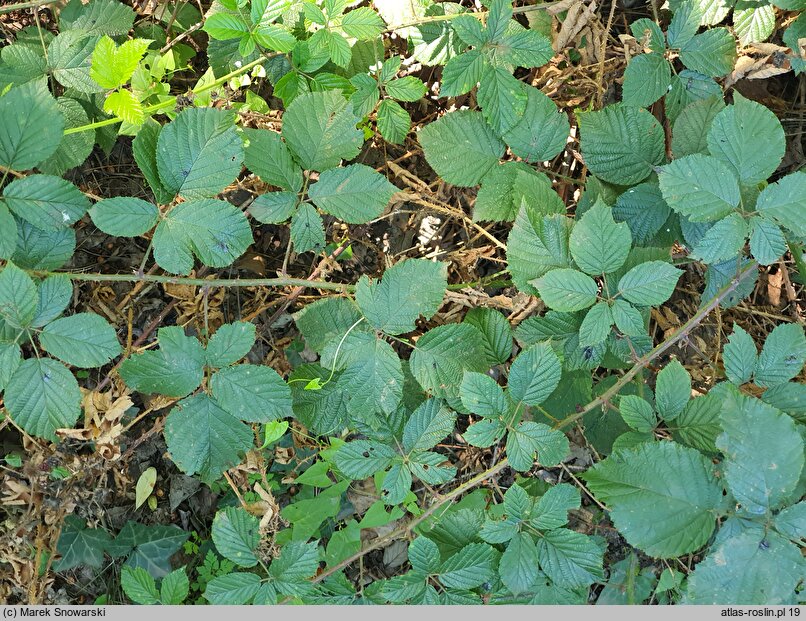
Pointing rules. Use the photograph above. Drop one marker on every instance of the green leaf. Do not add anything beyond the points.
(47, 202)
(690, 133)
(502, 98)
(637, 413)
(363, 23)
(527, 438)
(685, 24)
(199, 153)
(236, 536)
(650, 283)
(672, 390)
(572, 560)
(113, 65)
(144, 148)
(784, 202)
(360, 459)
(534, 374)
(394, 122)
(699, 187)
(124, 216)
(297, 562)
(441, 357)
(649, 34)
(698, 425)
(429, 424)
(326, 320)
(761, 481)
(255, 394)
(126, 105)
(767, 241)
(551, 510)
(10, 358)
(274, 37)
(214, 231)
(662, 496)
(482, 395)
(43, 396)
(791, 522)
(627, 318)
(518, 567)
(541, 133)
(424, 556)
(621, 144)
(8, 233)
(230, 343)
(223, 26)
(536, 245)
(461, 74)
(205, 439)
(274, 207)
(461, 147)
(754, 24)
(468, 568)
(508, 187)
(739, 356)
(320, 130)
(396, 484)
(84, 340)
(484, 433)
(174, 587)
(749, 139)
(139, 586)
(711, 53)
(97, 17)
(409, 289)
(567, 290)
(75, 148)
(495, 330)
(268, 157)
(597, 243)
(307, 229)
(233, 589)
(43, 250)
(20, 63)
(407, 88)
(782, 356)
(746, 569)
(69, 59)
(18, 297)
(79, 545)
(724, 240)
(646, 79)
(354, 194)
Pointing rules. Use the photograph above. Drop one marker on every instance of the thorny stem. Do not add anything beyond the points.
(603, 400)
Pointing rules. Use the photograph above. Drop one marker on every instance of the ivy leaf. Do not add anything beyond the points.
(662, 496)
(124, 216)
(567, 290)
(621, 144)
(672, 390)
(782, 356)
(527, 438)
(84, 340)
(354, 194)
(537, 244)
(255, 394)
(320, 130)
(534, 374)
(205, 439)
(236, 536)
(646, 79)
(597, 243)
(429, 424)
(47, 202)
(406, 291)
(461, 147)
(699, 187)
(79, 545)
(199, 153)
(27, 140)
(43, 396)
(650, 283)
(214, 231)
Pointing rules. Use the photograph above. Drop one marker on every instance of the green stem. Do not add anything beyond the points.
(9, 8)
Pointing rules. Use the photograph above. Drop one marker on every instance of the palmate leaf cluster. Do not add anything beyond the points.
(382, 396)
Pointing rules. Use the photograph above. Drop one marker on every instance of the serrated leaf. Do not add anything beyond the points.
(541, 133)
(113, 65)
(267, 156)
(672, 390)
(274, 207)
(527, 438)
(205, 439)
(692, 124)
(597, 243)
(297, 561)
(534, 374)
(699, 187)
(712, 53)
(430, 423)
(767, 241)
(139, 586)
(567, 290)
(685, 24)
(124, 216)
(650, 283)
(495, 330)
(424, 556)
(252, 393)
(407, 88)
(754, 23)
(214, 231)
(319, 130)
(174, 587)
(43, 396)
(637, 413)
(502, 98)
(199, 153)
(468, 568)
(409, 289)
(662, 496)
(47, 202)
(782, 356)
(236, 536)
(354, 194)
(646, 79)
(69, 59)
(18, 297)
(482, 395)
(506, 188)
(572, 560)
(394, 122)
(144, 148)
(748, 138)
(97, 17)
(461, 147)
(462, 73)
(10, 358)
(233, 589)
(484, 433)
(537, 244)
(784, 202)
(74, 148)
(627, 318)
(396, 484)
(551, 510)
(43, 250)
(84, 340)
(230, 343)
(739, 356)
(307, 229)
(326, 320)
(648, 33)
(518, 567)
(698, 425)
(360, 459)
(621, 144)
(722, 241)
